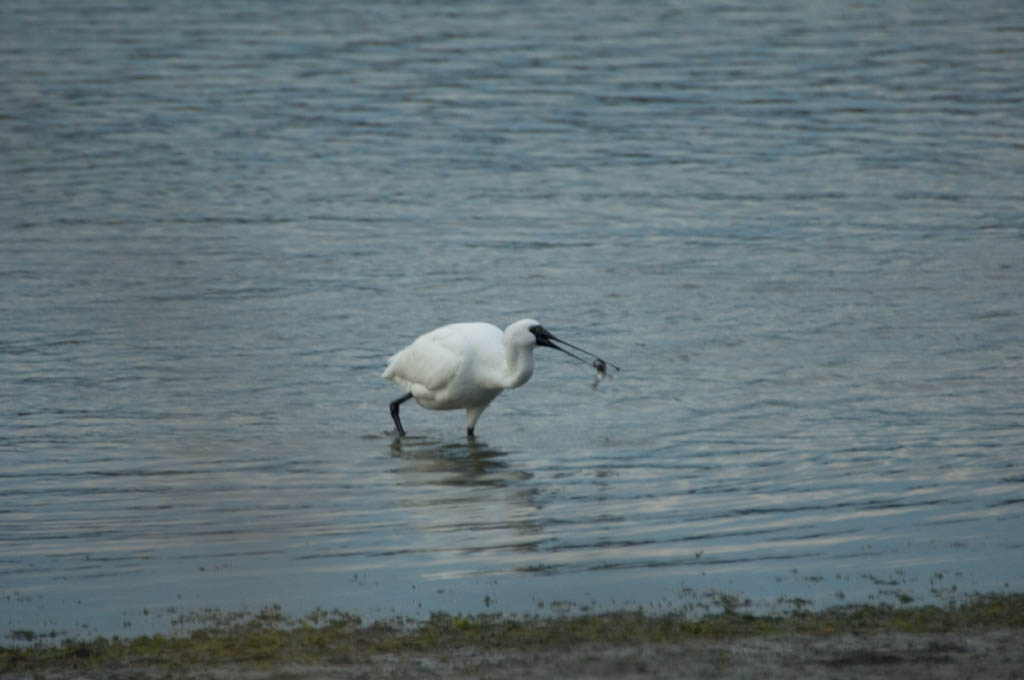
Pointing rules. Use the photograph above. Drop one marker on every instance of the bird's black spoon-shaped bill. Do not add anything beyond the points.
(546, 339)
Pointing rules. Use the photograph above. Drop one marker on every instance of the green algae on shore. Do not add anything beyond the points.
(268, 637)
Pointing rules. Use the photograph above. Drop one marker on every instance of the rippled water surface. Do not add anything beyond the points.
(798, 230)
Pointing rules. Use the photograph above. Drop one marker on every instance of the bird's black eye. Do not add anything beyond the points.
(540, 332)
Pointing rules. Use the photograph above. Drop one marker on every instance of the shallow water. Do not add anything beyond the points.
(798, 230)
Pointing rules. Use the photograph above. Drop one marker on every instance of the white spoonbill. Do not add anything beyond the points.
(466, 365)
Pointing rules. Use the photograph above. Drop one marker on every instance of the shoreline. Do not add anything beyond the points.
(980, 637)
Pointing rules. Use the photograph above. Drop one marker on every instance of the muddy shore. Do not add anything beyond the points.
(981, 639)
(983, 654)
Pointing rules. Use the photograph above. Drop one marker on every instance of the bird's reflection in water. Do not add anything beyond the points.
(468, 462)
(461, 500)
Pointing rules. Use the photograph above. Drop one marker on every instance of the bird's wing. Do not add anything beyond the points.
(431, 361)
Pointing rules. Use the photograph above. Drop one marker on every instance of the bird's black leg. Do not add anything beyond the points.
(394, 412)
(469, 433)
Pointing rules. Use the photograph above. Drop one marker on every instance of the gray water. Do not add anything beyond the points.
(798, 229)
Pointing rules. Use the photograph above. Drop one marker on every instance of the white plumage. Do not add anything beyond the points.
(467, 365)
